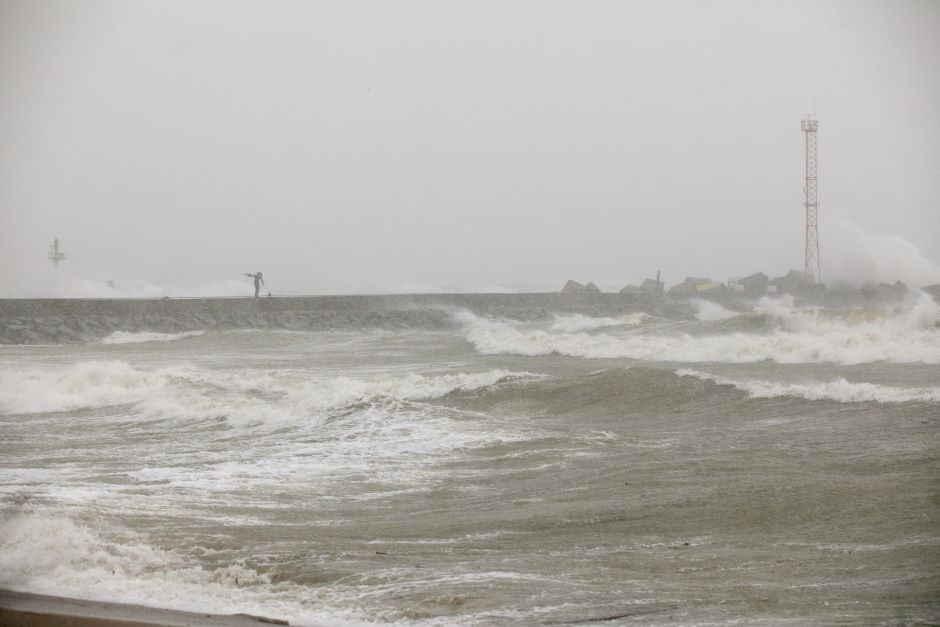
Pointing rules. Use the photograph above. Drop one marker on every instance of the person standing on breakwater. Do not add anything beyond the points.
(258, 282)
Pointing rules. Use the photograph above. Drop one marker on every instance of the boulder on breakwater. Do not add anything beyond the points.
(573, 287)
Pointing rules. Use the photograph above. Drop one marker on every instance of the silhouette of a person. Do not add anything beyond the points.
(258, 282)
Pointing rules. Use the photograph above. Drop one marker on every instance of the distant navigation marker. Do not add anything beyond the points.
(54, 253)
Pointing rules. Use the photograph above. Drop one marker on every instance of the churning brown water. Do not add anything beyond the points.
(770, 467)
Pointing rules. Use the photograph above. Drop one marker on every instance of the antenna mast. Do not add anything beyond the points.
(811, 264)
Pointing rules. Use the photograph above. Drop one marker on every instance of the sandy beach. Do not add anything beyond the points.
(21, 609)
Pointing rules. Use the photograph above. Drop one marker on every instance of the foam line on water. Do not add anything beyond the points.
(189, 391)
(837, 389)
(52, 554)
(579, 322)
(125, 337)
(902, 335)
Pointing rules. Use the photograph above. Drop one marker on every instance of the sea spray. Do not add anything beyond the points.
(579, 322)
(905, 335)
(709, 310)
(407, 476)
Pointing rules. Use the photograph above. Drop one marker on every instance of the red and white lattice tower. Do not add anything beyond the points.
(811, 265)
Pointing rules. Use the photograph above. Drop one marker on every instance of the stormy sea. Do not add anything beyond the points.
(476, 459)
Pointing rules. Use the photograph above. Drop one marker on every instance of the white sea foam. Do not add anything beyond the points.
(859, 256)
(385, 429)
(48, 554)
(579, 322)
(124, 337)
(710, 311)
(902, 335)
(835, 390)
(243, 396)
(919, 313)
(81, 386)
(373, 446)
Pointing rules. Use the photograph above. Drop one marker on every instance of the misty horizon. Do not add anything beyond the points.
(535, 351)
(445, 147)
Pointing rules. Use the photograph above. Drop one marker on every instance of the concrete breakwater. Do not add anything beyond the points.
(52, 321)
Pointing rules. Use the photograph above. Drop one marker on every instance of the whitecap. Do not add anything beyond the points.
(52, 554)
(901, 335)
(124, 337)
(837, 389)
(579, 322)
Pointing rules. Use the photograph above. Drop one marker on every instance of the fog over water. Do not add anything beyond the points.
(362, 147)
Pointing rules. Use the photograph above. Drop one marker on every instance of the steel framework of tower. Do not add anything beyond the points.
(811, 264)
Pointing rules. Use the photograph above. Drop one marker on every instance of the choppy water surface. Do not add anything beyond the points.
(777, 466)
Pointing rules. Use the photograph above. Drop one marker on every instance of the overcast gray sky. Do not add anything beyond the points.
(350, 147)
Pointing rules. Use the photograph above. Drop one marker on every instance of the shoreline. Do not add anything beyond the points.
(25, 609)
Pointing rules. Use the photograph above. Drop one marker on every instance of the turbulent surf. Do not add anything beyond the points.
(501, 459)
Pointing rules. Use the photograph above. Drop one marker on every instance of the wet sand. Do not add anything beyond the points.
(21, 609)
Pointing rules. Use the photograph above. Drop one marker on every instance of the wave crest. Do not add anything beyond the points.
(243, 397)
(49, 554)
(125, 337)
(900, 335)
(579, 322)
(837, 389)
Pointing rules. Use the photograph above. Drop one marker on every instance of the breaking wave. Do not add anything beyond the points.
(579, 322)
(919, 314)
(708, 310)
(837, 389)
(52, 554)
(242, 397)
(82, 321)
(789, 335)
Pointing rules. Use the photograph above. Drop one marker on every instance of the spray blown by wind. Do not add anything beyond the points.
(856, 256)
